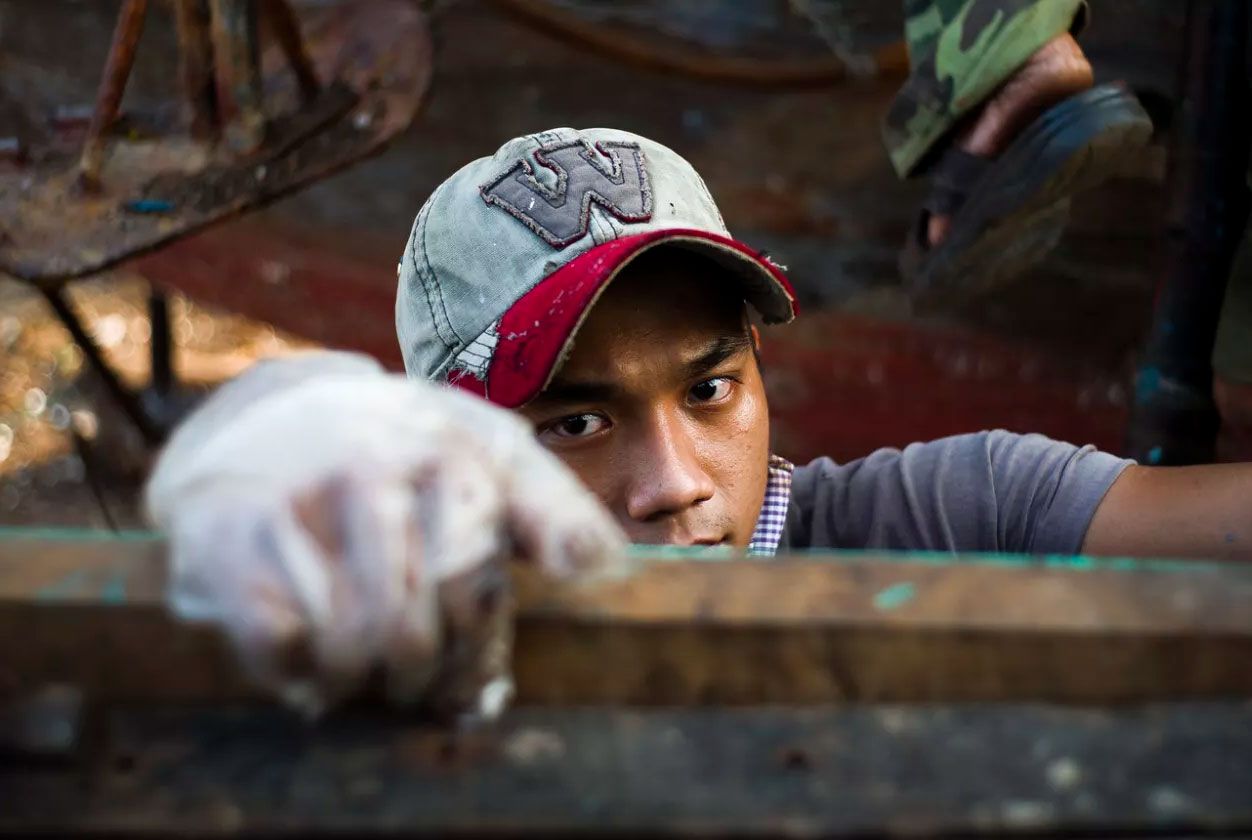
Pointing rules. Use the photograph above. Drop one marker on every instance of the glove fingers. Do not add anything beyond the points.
(476, 608)
(225, 570)
(457, 536)
(557, 523)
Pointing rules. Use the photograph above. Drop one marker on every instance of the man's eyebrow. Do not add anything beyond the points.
(562, 392)
(574, 391)
(717, 352)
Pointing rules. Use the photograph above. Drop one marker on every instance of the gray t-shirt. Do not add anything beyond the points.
(990, 491)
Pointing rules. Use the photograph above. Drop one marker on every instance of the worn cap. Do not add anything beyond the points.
(508, 256)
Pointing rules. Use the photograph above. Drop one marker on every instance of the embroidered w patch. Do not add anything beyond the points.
(612, 175)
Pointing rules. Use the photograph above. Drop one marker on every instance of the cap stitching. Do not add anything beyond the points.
(595, 226)
(434, 281)
(704, 188)
(411, 255)
(616, 228)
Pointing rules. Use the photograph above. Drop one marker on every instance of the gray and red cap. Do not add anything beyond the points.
(507, 256)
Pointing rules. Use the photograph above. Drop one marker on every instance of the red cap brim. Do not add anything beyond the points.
(537, 331)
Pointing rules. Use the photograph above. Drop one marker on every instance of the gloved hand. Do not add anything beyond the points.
(338, 523)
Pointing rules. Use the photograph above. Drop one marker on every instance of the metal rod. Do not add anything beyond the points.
(162, 344)
(1174, 420)
(196, 56)
(286, 29)
(237, 63)
(125, 397)
(116, 72)
(91, 471)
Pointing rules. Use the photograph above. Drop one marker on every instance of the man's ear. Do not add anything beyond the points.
(756, 338)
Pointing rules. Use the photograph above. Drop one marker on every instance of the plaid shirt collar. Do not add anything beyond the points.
(773, 518)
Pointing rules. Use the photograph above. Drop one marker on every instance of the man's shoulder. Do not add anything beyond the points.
(956, 492)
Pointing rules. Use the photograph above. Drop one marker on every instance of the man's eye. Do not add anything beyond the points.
(578, 426)
(712, 390)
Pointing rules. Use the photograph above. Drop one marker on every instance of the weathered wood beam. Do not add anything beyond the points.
(1178, 770)
(801, 630)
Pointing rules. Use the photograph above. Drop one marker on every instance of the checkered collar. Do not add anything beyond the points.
(773, 518)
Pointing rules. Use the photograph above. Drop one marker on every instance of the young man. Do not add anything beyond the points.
(584, 280)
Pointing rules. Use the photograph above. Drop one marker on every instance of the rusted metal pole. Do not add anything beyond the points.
(162, 344)
(112, 86)
(237, 63)
(1174, 420)
(286, 29)
(196, 56)
(127, 400)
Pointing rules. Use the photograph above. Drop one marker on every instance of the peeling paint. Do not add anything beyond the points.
(896, 595)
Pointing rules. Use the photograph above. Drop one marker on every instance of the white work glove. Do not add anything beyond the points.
(340, 523)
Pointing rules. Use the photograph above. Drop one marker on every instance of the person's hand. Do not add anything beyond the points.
(342, 525)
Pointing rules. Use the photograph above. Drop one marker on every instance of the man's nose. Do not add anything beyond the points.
(667, 476)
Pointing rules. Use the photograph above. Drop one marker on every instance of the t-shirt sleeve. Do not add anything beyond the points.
(990, 491)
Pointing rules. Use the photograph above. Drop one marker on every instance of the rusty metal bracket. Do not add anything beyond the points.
(1175, 419)
(252, 132)
(247, 137)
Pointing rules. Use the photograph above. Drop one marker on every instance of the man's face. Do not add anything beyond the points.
(660, 408)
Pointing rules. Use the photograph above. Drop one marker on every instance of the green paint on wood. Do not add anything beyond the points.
(114, 592)
(896, 595)
(75, 535)
(1078, 563)
(1066, 562)
(69, 585)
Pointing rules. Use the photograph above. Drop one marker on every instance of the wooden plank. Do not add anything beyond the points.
(996, 771)
(815, 629)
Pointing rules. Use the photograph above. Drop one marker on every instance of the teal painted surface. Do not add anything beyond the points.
(68, 585)
(1077, 562)
(1147, 383)
(114, 592)
(896, 595)
(75, 535)
(1068, 562)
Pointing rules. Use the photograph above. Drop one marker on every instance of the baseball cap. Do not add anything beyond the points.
(507, 256)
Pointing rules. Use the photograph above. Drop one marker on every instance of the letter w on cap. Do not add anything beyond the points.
(584, 174)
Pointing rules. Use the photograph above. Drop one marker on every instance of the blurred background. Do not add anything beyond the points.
(780, 116)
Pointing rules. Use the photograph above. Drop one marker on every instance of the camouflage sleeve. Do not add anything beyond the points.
(960, 51)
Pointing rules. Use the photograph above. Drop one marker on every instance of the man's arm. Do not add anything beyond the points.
(1203, 511)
